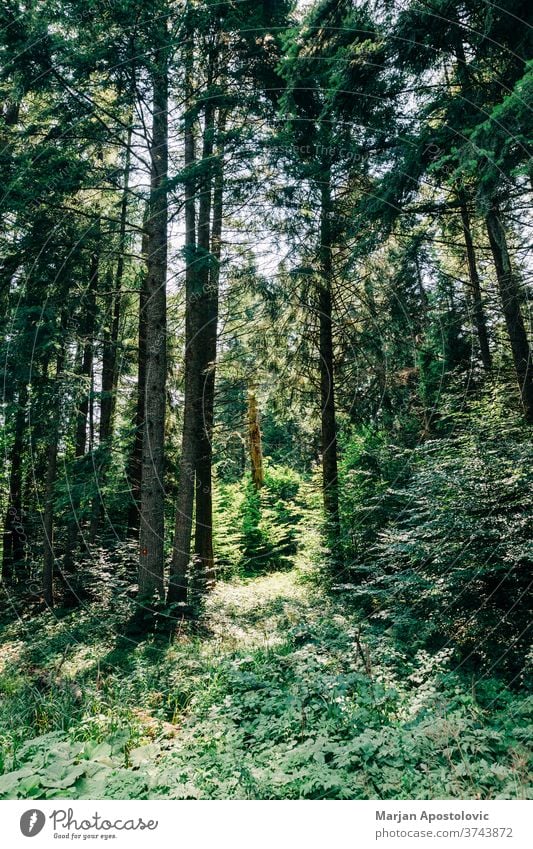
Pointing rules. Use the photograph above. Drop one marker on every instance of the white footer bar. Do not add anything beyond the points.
(262, 824)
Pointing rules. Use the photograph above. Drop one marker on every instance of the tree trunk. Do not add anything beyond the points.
(464, 75)
(82, 412)
(50, 481)
(108, 365)
(79, 451)
(327, 376)
(110, 350)
(135, 462)
(110, 347)
(177, 589)
(254, 441)
(510, 300)
(14, 535)
(477, 302)
(151, 537)
(207, 343)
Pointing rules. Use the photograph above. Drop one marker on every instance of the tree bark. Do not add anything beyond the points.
(50, 481)
(151, 537)
(177, 589)
(510, 300)
(327, 367)
(475, 286)
(209, 241)
(135, 462)
(14, 536)
(110, 346)
(464, 75)
(108, 366)
(82, 411)
(110, 349)
(254, 441)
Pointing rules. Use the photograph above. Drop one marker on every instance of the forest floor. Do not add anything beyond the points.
(281, 692)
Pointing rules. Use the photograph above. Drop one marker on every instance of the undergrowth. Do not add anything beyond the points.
(281, 693)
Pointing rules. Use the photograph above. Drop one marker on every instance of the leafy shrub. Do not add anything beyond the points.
(454, 564)
(370, 468)
(266, 522)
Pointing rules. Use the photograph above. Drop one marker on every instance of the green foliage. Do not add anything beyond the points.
(257, 531)
(289, 697)
(55, 767)
(370, 464)
(451, 556)
(365, 150)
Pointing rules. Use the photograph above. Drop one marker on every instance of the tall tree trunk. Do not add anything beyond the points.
(110, 346)
(254, 441)
(108, 364)
(207, 342)
(510, 300)
(82, 412)
(151, 537)
(464, 76)
(14, 535)
(327, 367)
(177, 589)
(50, 481)
(80, 443)
(475, 286)
(135, 462)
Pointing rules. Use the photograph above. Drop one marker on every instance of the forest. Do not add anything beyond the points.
(267, 397)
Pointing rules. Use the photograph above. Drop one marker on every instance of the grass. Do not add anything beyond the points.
(279, 693)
